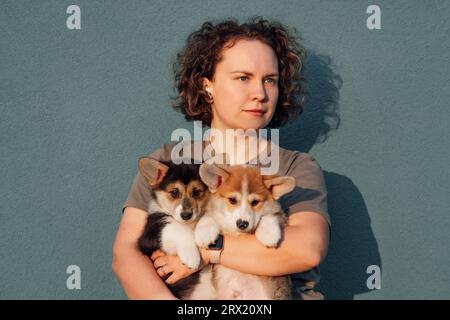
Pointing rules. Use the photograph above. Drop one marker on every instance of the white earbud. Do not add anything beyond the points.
(209, 92)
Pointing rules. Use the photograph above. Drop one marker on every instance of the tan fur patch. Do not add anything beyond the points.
(255, 188)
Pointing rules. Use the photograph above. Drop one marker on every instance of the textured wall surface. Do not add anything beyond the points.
(78, 107)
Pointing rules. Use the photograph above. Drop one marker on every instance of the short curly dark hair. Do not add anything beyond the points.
(202, 52)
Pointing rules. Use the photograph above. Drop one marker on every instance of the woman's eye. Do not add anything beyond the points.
(175, 193)
(232, 200)
(272, 81)
(254, 202)
(243, 77)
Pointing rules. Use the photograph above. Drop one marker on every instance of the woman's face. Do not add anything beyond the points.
(245, 86)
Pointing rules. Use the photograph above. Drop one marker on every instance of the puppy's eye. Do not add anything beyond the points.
(196, 193)
(254, 202)
(232, 200)
(175, 193)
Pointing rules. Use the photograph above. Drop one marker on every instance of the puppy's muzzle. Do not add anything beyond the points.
(242, 224)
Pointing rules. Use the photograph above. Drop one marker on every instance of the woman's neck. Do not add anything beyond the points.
(240, 146)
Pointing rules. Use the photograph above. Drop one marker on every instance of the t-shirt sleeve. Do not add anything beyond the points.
(139, 195)
(310, 192)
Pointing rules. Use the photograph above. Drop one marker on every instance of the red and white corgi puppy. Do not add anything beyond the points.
(244, 201)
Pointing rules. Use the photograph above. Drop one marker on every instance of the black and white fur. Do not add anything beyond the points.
(171, 220)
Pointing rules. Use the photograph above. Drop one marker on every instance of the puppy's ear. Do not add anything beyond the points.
(279, 186)
(152, 170)
(213, 175)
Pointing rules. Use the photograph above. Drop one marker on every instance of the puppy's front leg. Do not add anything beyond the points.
(206, 231)
(269, 231)
(179, 240)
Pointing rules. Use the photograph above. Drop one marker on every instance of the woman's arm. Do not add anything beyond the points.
(305, 245)
(134, 270)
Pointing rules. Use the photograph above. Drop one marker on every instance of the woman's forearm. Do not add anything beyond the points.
(137, 275)
(246, 254)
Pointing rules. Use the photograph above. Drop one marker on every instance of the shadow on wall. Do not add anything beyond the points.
(353, 246)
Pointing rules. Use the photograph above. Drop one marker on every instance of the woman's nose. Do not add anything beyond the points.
(259, 92)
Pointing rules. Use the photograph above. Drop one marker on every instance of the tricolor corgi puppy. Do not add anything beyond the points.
(244, 201)
(178, 200)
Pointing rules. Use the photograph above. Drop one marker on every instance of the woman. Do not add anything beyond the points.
(237, 76)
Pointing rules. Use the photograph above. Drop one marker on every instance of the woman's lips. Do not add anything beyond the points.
(255, 112)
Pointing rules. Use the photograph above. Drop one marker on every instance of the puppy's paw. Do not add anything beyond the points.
(190, 257)
(206, 234)
(269, 237)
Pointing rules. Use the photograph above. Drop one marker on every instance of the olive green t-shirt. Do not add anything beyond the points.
(310, 194)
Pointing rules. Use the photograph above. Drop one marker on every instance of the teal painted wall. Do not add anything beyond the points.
(78, 107)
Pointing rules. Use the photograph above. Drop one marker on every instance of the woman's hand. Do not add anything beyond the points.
(170, 268)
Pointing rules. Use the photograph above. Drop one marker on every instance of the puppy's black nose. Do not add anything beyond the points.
(186, 215)
(242, 224)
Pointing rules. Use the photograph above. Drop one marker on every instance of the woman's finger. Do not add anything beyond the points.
(156, 254)
(173, 278)
(160, 271)
(160, 262)
(164, 271)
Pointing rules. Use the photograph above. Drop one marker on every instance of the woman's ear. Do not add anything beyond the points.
(279, 186)
(207, 86)
(205, 83)
(213, 175)
(152, 170)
